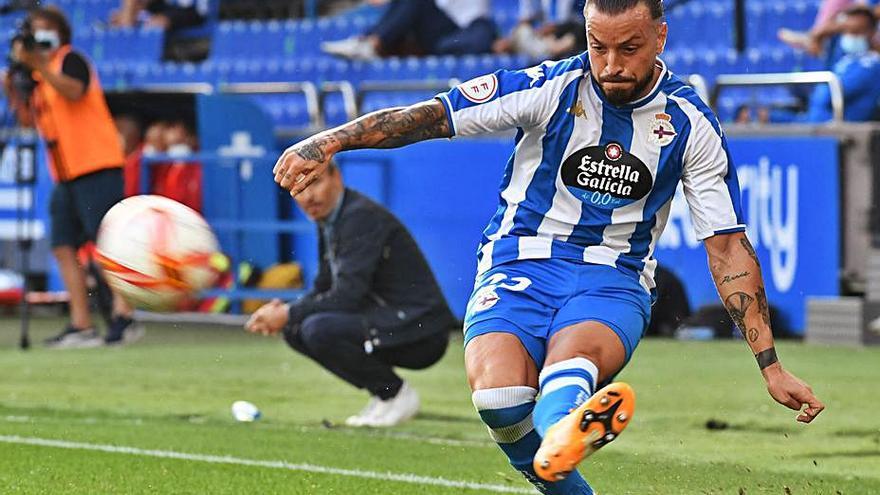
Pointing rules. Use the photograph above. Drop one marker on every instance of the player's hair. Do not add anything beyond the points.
(864, 11)
(614, 7)
(54, 16)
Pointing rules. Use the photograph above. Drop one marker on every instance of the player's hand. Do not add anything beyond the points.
(304, 162)
(33, 59)
(269, 319)
(793, 393)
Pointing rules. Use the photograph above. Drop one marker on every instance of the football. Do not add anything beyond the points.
(155, 252)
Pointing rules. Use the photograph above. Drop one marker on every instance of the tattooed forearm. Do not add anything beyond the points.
(389, 128)
(753, 334)
(763, 307)
(737, 304)
(749, 249)
(731, 278)
(395, 127)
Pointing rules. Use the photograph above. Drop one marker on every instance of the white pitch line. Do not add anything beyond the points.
(310, 468)
(450, 442)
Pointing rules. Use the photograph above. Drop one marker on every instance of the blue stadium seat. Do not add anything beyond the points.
(230, 40)
(113, 75)
(765, 19)
(375, 101)
(506, 20)
(334, 110)
(701, 24)
(128, 44)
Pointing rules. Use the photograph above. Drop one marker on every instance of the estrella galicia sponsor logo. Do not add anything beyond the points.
(607, 176)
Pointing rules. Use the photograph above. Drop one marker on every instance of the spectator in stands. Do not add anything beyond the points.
(828, 24)
(179, 178)
(435, 27)
(131, 137)
(858, 70)
(169, 15)
(548, 29)
(375, 303)
(744, 115)
(154, 138)
(131, 133)
(179, 139)
(68, 108)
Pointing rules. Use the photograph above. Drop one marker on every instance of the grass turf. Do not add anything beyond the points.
(173, 390)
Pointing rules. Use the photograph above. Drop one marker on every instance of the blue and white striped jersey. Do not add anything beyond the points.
(589, 180)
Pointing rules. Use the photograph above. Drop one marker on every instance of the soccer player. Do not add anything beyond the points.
(564, 281)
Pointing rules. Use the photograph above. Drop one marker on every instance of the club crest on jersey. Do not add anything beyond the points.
(485, 299)
(662, 130)
(606, 176)
(480, 89)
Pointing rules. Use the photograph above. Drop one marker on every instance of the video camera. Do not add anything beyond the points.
(20, 74)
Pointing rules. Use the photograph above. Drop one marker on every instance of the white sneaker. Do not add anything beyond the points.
(71, 338)
(395, 410)
(353, 48)
(359, 418)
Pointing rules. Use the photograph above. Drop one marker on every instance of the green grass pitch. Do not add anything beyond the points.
(154, 418)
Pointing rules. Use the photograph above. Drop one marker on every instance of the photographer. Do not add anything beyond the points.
(64, 99)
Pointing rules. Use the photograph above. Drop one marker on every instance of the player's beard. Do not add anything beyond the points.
(624, 96)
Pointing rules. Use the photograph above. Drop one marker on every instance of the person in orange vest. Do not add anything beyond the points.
(68, 108)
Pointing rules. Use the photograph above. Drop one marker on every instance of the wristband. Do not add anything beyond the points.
(766, 357)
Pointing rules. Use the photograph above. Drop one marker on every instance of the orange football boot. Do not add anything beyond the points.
(584, 430)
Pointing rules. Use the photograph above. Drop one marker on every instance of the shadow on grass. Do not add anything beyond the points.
(721, 425)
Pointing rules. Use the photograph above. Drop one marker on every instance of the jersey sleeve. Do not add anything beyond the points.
(710, 183)
(507, 99)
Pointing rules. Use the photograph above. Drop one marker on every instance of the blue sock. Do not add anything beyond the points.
(507, 411)
(564, 386)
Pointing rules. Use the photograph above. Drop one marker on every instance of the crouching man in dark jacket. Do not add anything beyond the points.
(375, 303)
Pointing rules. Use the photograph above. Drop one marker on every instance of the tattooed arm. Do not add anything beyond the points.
(737, 274)
(303, 162)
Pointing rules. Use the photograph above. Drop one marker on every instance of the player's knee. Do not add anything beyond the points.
(498, 360)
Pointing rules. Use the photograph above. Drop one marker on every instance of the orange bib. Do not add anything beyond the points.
(80, 135)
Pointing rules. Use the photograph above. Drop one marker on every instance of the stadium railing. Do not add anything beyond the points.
(308, 89)
(773, 79)
(700, 85)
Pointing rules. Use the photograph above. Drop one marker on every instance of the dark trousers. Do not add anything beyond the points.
(336, 342)
(433, 30)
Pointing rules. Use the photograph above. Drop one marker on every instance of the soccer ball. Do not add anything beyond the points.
(156, 252)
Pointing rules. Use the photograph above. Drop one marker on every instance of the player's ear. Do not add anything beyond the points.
(662, 31)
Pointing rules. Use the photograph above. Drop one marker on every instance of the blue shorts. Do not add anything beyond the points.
(534, 299)
(77, 207)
